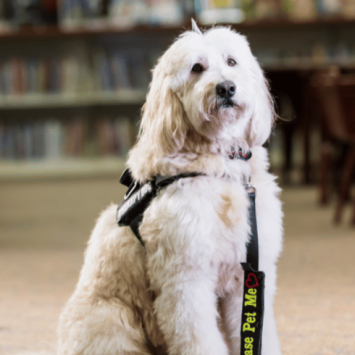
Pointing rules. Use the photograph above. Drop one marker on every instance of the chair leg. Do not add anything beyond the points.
(345, 183)
(353, 218)
(324, 171)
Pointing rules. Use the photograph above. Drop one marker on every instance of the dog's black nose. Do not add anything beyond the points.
(225, 89)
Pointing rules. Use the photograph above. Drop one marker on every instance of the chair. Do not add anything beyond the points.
(334, 96)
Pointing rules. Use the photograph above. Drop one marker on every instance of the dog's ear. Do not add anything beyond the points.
(263, 115)
(195, 27)
(163, 122)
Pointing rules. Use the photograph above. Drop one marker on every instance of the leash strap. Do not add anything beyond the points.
(253, 245)
(253, 291)
(254, 280)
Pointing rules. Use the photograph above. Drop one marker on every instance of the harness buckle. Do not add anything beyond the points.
(248, 187)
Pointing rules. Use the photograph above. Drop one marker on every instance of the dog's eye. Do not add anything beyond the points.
(197, 68)
(231, 62)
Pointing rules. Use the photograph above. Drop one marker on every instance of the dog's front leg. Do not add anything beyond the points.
(182, 263)
(270, 342)
(231, 311)
(187, 312)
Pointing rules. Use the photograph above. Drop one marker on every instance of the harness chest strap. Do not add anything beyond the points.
(138, 197)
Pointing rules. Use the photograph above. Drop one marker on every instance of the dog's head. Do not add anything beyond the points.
(207, 89)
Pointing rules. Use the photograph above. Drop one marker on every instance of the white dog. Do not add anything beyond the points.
(181, 293)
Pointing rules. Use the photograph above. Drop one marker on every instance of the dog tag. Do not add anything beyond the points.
(252, 311)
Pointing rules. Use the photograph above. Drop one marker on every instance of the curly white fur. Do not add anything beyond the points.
(181, 293)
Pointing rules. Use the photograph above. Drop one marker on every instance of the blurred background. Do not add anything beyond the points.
(73, 77)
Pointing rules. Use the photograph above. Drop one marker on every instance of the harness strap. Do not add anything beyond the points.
(139, 196)
(162, 181)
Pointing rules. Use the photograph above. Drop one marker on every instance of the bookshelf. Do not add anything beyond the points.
(280, 45)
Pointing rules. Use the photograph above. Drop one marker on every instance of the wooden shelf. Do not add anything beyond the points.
(127, 97)
(54, 32)
(61, 169)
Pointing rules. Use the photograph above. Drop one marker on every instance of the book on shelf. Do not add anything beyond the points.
(139, 68)
(219, 11)
(74, 137)
(37, 140)
(104, 79)
(54, 138)
(108, 71)
(127, 68)
(70, 13)
(28, 141)
(44, 75)
(329, 7)
(114, 135)
(30, 12)
(315, 54)
(120, 71)
(123, 13)
(128, 13)
(310, 9)
(166, 12)
(50, 11)
(233, 11)
(124, 134)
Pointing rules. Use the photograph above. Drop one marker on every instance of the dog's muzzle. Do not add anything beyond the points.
(225, 91)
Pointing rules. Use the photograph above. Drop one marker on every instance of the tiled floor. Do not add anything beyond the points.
(43, 229)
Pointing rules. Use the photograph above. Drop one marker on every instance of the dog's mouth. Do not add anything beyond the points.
(227, 102)
(219, 104)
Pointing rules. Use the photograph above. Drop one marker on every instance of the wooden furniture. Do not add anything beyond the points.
(335, 96)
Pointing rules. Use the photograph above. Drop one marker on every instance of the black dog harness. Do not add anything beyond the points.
(130, 213)
(138, 197)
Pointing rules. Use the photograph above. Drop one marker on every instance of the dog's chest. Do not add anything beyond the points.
(203, 221)
(232, 234)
